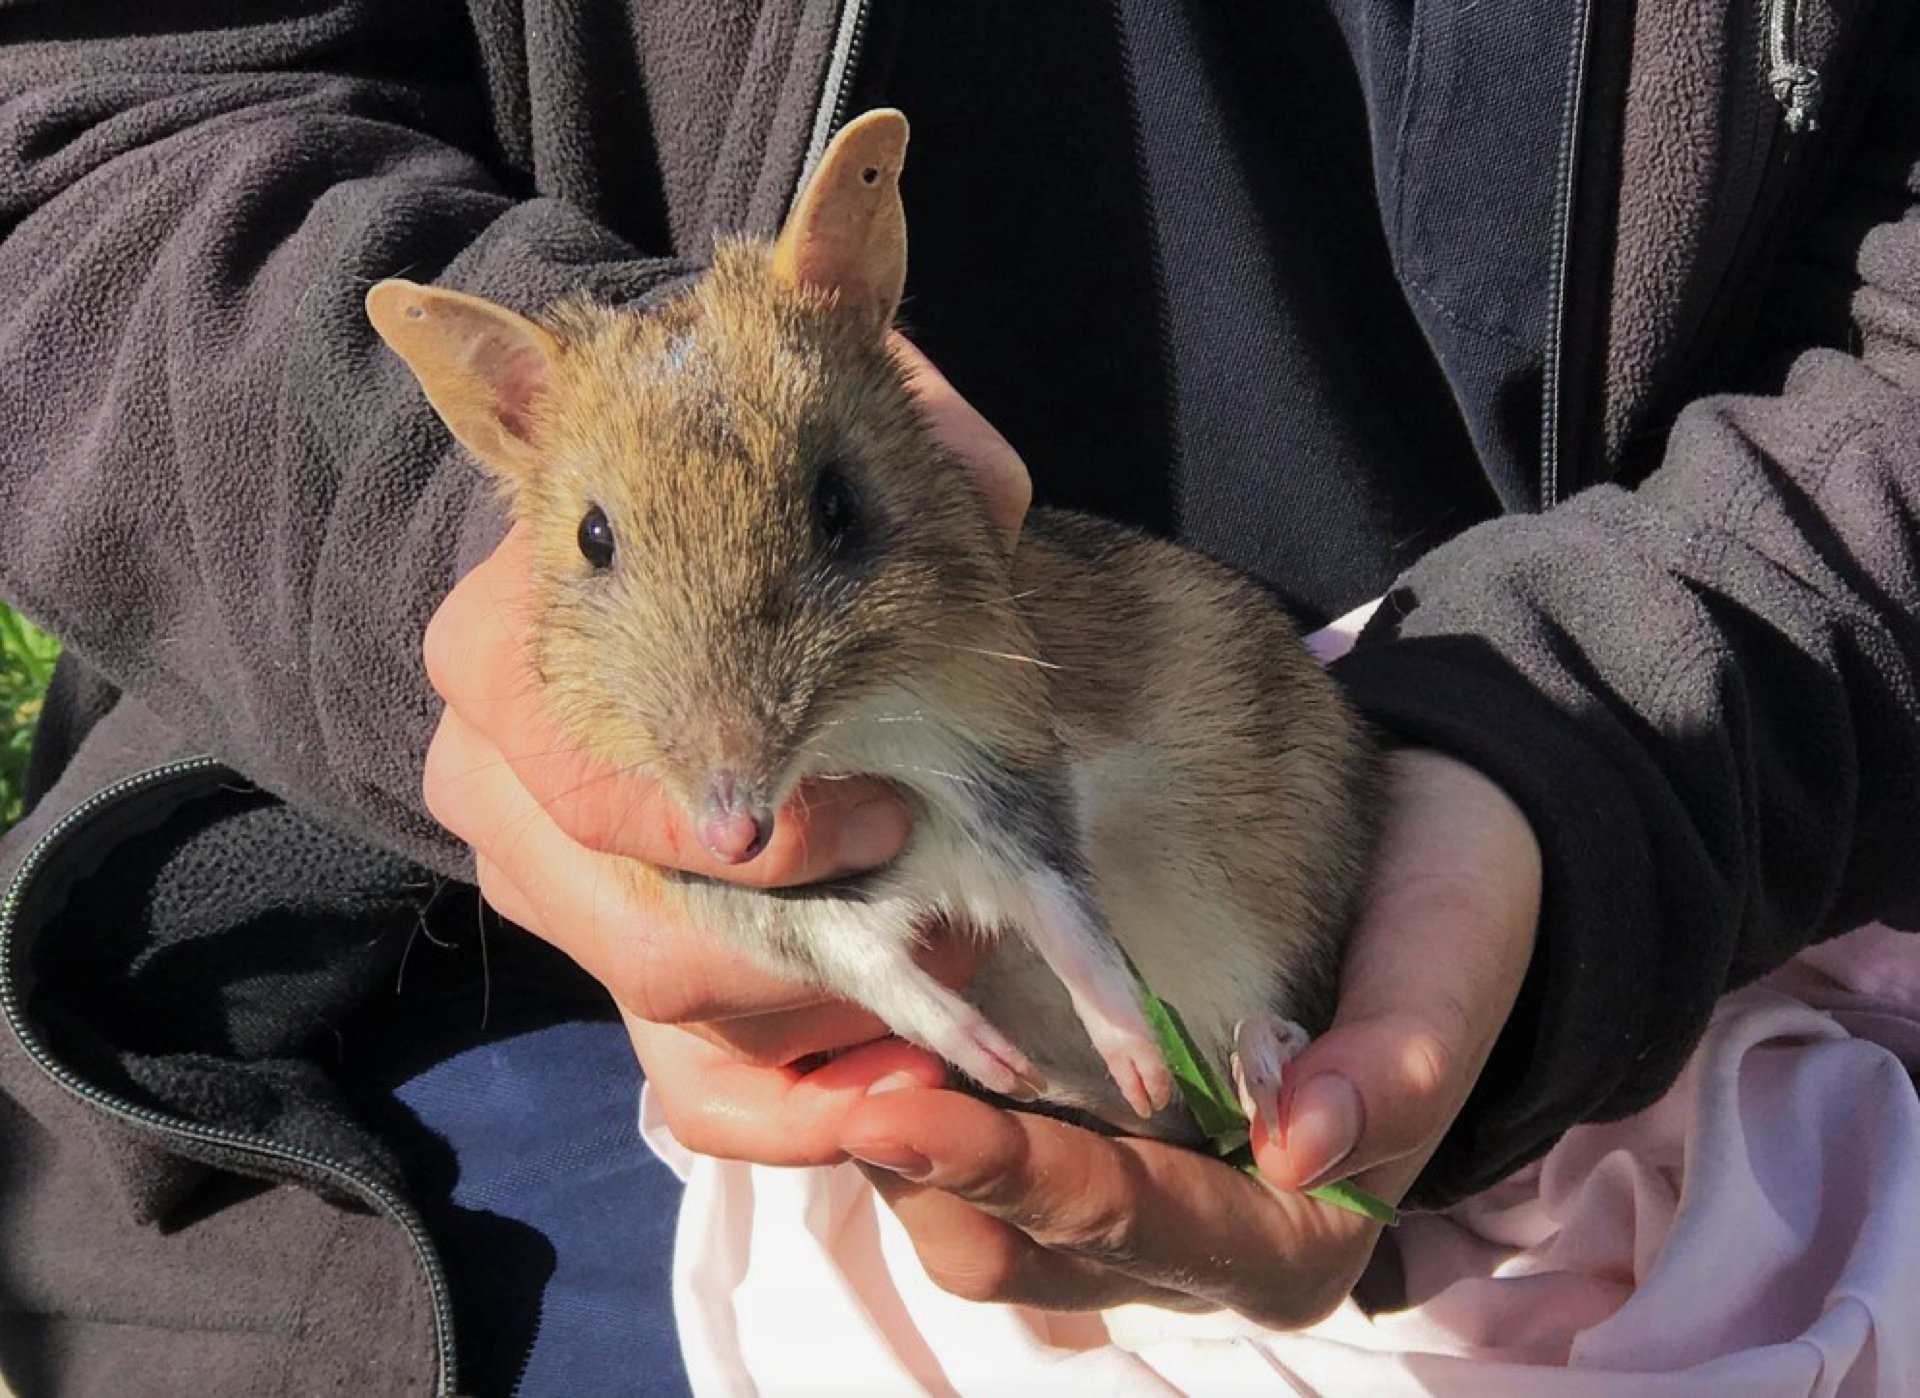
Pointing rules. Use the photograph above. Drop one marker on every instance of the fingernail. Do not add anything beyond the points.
(1323, 1127)
(893, 1082)
(872, 833)
(908, 1164)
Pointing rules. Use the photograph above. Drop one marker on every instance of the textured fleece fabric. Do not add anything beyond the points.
(235, 508)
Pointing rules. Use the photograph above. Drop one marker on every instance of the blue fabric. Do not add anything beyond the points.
(557, 1230)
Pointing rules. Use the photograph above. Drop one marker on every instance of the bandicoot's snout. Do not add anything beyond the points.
(733, 825)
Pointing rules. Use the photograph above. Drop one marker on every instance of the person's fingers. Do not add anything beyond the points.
(1167, 1217)
(476, 657)
(599, 910)
(501, 894)
(977, 1257)
(790, 1038)
(718, 1105)
(1430, 977)
(787, 1036)
(594, 907)
(988, 458)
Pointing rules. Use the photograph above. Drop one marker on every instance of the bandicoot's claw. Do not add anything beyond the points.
(1263, 1047)
(1032, 1086)
(1140, 1074)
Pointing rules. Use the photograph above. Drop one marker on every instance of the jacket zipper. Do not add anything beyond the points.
(1773, 70)
(1795, 86)
(1777, 99)
(1553, 386)
(849, 36)
(370, 1190)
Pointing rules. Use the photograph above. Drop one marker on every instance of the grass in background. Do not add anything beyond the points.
(26, 664)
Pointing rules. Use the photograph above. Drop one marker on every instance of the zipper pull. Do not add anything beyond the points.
(1795, 86)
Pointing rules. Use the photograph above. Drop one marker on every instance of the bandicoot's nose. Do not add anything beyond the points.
(732, 829)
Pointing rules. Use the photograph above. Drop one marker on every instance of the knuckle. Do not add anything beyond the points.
(1110, 1236)
(767, 1041)
(1320, 1300)
(437, 795)
(1297, 1307)
(638, 997)
(691, 1126)
(1427, 1059)
(1294, 1296)
(493, 887)
(440, 650)
(646, 989)
(987, 1274)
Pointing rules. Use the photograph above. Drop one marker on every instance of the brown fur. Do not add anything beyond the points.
(1102, 724)
(721, 635)
(1248, 774)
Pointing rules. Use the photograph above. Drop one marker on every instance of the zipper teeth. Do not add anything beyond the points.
(849, 37)
(372, 1190)
(1555, 366)
(856, 44)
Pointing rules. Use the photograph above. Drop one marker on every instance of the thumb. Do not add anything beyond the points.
(1430, 975)
(1360, 1096)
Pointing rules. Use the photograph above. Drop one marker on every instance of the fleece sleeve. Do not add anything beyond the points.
(215, 486)
(1705, 693)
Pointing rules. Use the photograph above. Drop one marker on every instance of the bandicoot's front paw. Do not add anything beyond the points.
(1263, 1047)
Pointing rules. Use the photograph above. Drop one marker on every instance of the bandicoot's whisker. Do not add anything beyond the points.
(1002, 655)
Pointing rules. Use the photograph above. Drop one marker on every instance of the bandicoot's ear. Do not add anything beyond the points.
(483, 367)
(848, 233)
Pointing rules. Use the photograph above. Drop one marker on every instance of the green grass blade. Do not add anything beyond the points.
(1216, 1108)
(1209, 1097)
(1354, 1199)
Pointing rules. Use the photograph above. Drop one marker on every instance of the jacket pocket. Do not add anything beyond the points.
(1475, 172)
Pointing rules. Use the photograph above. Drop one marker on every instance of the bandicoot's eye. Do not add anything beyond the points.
(596, 538)
(836, 511)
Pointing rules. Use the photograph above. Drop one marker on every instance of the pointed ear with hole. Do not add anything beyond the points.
(483, 367)
(847, 233)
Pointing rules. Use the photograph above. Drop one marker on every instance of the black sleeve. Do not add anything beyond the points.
(1705, 693)
(215, 485)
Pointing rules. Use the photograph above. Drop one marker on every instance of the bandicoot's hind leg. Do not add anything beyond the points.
(1080, 952)
(860, 948)
(864, 953)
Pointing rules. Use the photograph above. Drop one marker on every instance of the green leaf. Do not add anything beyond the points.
(1354, 1199)
(1210, 1097)
(1216, 1107)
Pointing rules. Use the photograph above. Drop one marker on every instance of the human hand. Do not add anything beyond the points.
(1007, 1206)
(554, 835)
